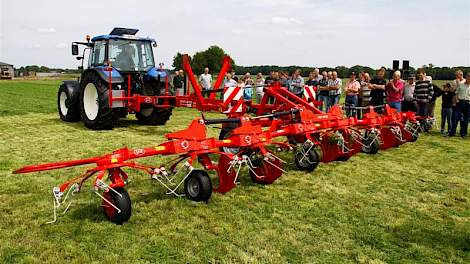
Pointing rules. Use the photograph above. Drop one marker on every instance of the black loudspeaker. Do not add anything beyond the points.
(406, 65)
(406, 69)
(396, 65)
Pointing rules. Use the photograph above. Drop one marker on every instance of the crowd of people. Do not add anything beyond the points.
(418, 93)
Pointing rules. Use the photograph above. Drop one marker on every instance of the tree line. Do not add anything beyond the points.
(212, 58)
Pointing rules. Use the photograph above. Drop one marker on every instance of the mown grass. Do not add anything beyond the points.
(405, 205)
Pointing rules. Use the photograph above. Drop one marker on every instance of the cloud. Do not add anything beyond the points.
(61, 45)
(46, 30)
(286, 21)
(293, 33)
(277, 3)
(237, 31)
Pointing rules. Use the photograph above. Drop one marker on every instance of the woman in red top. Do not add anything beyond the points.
(394, 91)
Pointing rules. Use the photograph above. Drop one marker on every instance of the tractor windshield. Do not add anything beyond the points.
(131, 55)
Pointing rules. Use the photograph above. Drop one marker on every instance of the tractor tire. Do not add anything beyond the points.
(153, 116)
(94, 103)
(198, 186)
(226, 132)
(150, 115)
(121, 201)
(309, 162)
(370, 148)
(67, 101)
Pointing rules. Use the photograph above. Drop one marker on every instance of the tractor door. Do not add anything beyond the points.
(97, 55)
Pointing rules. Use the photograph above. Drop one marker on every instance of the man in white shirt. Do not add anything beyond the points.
(335, 89)
(229, 81)
(205, 80)
(461, 112)
(408, 91)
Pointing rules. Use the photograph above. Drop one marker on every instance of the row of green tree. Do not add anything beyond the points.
(212, 58)
(36, 68)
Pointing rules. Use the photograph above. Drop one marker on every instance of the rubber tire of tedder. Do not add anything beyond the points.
(311, 160)
(105, 118)
(374, 147)
(198, 186)
(121, 201)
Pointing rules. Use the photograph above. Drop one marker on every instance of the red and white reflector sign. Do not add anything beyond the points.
(309, 94)
(233, 99)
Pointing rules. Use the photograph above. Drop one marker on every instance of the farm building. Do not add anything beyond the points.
(6, 71)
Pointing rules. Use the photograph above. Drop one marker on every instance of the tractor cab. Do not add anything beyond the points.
(121, 78)
(122, 50)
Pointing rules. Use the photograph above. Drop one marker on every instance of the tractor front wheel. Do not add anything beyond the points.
(120, 200)
(94, 103)
(198, 186)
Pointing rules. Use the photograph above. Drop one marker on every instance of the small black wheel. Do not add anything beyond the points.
(67, 101)
(371, 143)
(122, 201)
(306, 158)
(94, 103)
(414, 136)
(198, 186)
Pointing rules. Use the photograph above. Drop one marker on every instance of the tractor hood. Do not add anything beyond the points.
(117, 77)
(158, 74)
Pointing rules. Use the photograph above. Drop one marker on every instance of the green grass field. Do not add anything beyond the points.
(405, 205)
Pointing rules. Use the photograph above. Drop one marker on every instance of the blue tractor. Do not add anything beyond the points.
(121, 78)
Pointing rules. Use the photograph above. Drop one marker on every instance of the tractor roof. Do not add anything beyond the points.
(122, 33)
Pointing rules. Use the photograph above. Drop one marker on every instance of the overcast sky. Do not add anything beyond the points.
(253, 32)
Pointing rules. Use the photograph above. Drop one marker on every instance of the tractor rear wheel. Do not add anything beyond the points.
(120, 200)
(67, 103)
(198, 186)
(94, 103)
(150, 115)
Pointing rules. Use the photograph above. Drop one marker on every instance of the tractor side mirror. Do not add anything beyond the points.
(74, 49)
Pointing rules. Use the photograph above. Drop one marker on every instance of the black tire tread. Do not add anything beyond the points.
(105, 118)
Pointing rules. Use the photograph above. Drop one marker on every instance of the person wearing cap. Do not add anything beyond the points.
(408, 91)
(394, 91)
(351, 90)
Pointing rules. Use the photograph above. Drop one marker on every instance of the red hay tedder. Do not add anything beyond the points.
(250, 137)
